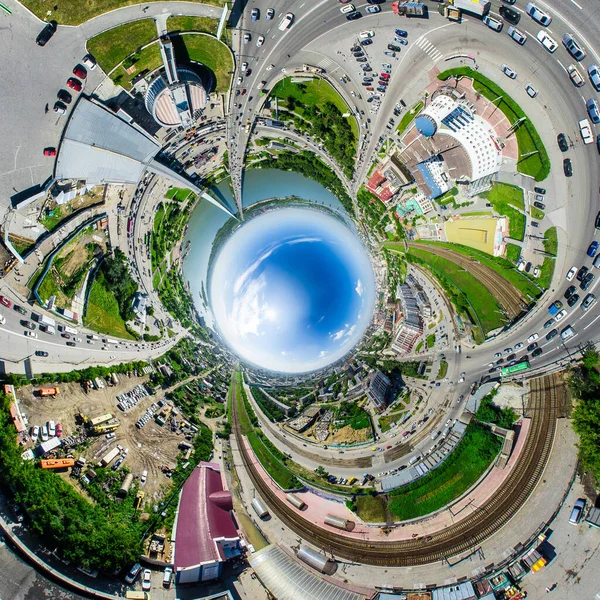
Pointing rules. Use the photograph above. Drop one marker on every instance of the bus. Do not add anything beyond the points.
(518, 368)
(130, 225)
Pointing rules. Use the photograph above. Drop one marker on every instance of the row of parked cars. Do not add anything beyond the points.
(135, 571)
(44, 432)
(130, 399)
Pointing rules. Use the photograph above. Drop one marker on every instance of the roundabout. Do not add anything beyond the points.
(412, 349)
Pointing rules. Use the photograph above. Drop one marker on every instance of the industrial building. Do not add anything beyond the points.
(411, 328)
(204, 532)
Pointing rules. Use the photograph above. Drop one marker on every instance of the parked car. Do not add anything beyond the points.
(64, 96)
(592, 249)
(49, 151)
(45, 34)
(567, 167)
(74, 84)
(89, 62)
(133, 573)
(577, 512)
(147, 580)
(508, 71)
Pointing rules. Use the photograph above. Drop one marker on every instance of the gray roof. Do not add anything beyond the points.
(460, 591)
(100, 147)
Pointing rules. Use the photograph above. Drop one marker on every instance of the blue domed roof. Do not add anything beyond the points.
(425, 125)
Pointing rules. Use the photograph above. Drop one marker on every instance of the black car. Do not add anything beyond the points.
(549, 323)
(573, 300)
(512, 16)
(375, 1)
(19, 309)
(367, 79)
(587, 282)
(361, 59)
(561, 140)
(355, 48)
(570, 291)
(536, 352)
(67, 336)
(353, 16)
(582, 273)
(73, 344)
(64, 96)
(511, 357)
(366, 68)
(567, 167)
(45, 34)
(358, 54)
(41, 353)
(539, 190)
(510, 1)
(540, 205)
(366, 42)
(597, 223)
(393, 48)
(28, 324)
(532, 347)
(552, 334)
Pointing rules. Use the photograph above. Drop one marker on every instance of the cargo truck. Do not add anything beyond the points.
(44, 320)
(409, 9)
(50, 391)
(475, 7)
(555, 307)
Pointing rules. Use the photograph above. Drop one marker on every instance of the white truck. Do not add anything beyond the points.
(44, 320)
(586, 131)
(286, 21)
(476, 7)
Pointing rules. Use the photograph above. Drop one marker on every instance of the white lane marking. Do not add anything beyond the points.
(563, 66)
(301, 5)
(577, 5)
(591, 322)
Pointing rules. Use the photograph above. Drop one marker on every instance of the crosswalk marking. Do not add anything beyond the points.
(326, 62)
(429, 49)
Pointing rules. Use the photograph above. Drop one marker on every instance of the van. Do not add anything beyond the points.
(286, 22)
(133, 573)
(566, 333)
(167, 577)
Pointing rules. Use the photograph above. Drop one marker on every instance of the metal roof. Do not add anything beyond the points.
(287, 579)
(100, 147)
(460, 591)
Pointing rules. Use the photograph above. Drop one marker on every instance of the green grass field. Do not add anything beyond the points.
(387, 421)
(178, 194)
(534, 160)
(103, 312)
(203, 24)
(513, 252)
(480, 299)
(212, 53)
(371, 509)
(498, 264)
(551, 241)
(443, 370)
(547, 271)
(75, 12)
(536, 213)
(407, 119)
(505, 198)
(463, 467)
(431, 340)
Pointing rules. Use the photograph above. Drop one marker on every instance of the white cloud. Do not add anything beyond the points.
(323, 353)
(338, 335)
(359, 288)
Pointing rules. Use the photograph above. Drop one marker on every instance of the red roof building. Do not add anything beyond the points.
(205, 532)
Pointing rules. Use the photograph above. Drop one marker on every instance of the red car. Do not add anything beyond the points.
(384, 75)
(74, 84)
(387, 447)
(67, 336)
(80, 72)
(243, 91)
(58, 430)
(5, 301)
(49, 151)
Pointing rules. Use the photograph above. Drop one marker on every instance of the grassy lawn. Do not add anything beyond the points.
(535, 161)
(498, 264)
(443, 370)
(431, 340)
(536, 213)
(178, 194)
(547, 271)
(277, 470)
(75, 12)
(387, 421)
(505, 198)
(477, 213)
(480, 300)
(513, 252)
(115, 45)
(419, 345)
(472, 456)
(204, 24)
(49, 287)
(551, 241)
(407, 119)
(103, 312)
(315, 92)
(371, 509)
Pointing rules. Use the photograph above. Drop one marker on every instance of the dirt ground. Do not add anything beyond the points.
(149, 447)
(350, 436)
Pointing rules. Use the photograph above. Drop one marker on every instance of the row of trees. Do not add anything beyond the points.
(273, 412)
(114, 277)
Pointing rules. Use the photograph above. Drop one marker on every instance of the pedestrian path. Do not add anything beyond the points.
(429, 49)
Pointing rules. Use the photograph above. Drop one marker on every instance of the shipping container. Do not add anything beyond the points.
(317, 561)
(293, 499)
(108, 458)
(50, 391)
(101, 419)
(48, 446)
(339, 522)
(259, 508)
(57, 463)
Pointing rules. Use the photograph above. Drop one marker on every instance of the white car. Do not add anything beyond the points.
(51, 428)
(31, 334)
(572, 272)
(144, 477)
(238, 81)
(244, 67)
(532, 338)
(586, 131)
(348, 8)
(147, 580)
(247, 38)
(270, 67)
(44, 433)
(575, 76)
(89, 62)
(373, 9)
(531, 91)
(493, 24)
(35, 432)
(517, 35)
(561, 315)
(536, 272)
(508, 71)
(546, 41)
(537, 14)
(363, 35)
(260, 41)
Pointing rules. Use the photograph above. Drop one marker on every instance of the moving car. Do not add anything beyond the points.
(594, 75)
(45, 34)
(517, 35)
(49, 151)
(260, 41)
(31, 334)
(575, 76)
(508, 71)
(594, 112)
(561, 140)
(531, 91)
(537, 14)
(493, 24)
(510, 15)
(574, 49)
(247, 38)
(286, 21)
(567, 167)
(546, 41)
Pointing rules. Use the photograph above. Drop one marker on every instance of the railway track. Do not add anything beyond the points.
(458, 538)
(510, 298)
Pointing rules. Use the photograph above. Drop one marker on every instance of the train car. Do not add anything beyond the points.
(293, 499)
(317, 561)
(57, 463)
(259, 508)
(339, 523)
